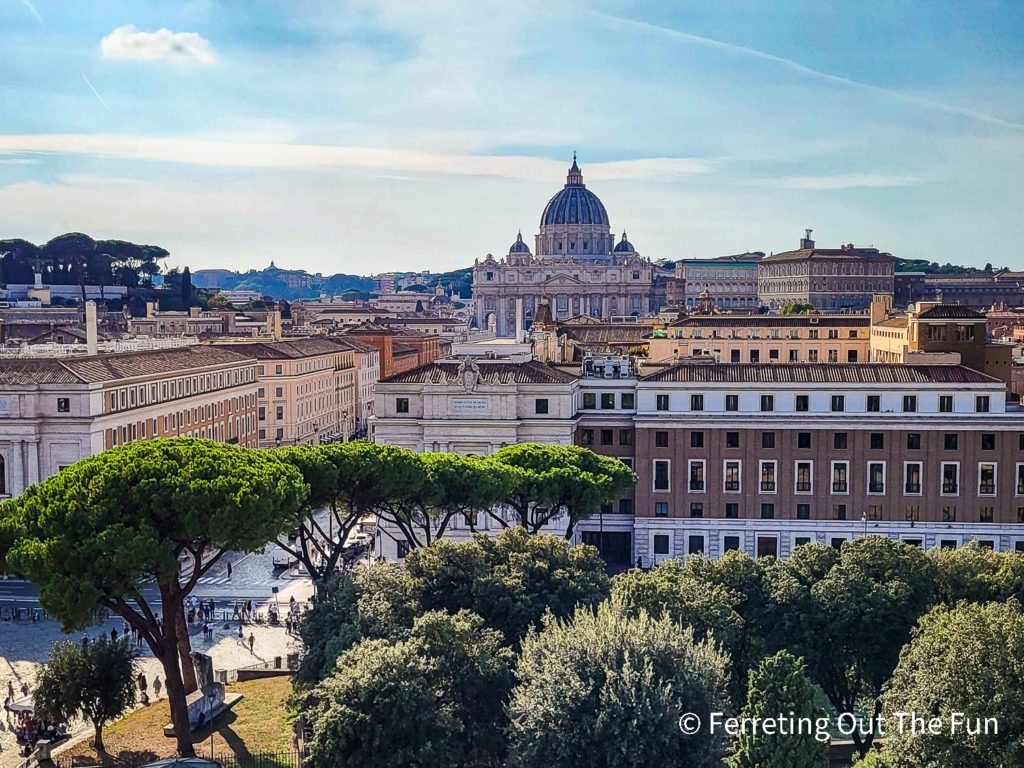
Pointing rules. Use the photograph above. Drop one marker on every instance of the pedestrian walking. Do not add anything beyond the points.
(10, 690)
(229, 569)
(252, 641)
(156, 687)
(113, 634)
(142, 682)
(241, 635)
(85, 641)
(24, 689)
(138, 639)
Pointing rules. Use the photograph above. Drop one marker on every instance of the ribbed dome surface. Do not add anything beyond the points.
(575, 204)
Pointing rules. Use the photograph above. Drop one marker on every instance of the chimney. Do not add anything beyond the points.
(277, 325)
(805, 242)
(91, 346)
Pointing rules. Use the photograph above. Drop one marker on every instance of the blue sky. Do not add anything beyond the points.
(395, 134)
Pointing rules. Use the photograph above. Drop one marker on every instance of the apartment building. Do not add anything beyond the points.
(367, 359)
(55, 411)
(753, 456)
(766, 338)
(307, 390)
(199, 322)
(400, 348)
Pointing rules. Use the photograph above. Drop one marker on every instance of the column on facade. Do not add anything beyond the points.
(32, 447)
(17, 476)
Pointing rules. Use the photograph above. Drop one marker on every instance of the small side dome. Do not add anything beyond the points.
(624, 246)
(519, 246)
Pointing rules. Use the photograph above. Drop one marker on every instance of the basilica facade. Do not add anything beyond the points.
(576, 268)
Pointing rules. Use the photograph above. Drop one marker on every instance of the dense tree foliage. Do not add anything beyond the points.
(968, 660)
(978, 574)
(95, 682)
(433, 699)
(779, 686)
(88, 535)
(607, 690)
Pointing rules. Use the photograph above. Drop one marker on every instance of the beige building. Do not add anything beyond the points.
(367, 359)
(199, 322)
(766, 339)
(55, 411)
(307, 390)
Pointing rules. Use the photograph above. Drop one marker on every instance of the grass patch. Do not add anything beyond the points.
(256, 724)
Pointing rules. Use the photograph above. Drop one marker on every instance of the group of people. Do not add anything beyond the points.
(291, 620)
(27, 728)
(144, 689)
(199, 610)
(246, 610)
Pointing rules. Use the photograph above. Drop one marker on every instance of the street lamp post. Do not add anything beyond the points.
(212, 698)
(864, 519)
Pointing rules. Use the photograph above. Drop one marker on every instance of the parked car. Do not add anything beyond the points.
(282, 558)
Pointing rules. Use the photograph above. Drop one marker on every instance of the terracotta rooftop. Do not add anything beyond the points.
(113, 366)
(771, 321)
(285, 350)
(951, 312)
(491, 372)
(824, 373)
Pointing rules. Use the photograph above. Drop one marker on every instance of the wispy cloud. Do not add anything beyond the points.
(838, 181)
(32, 8)
(96, 93)
(810, 72)
(317, 156)
(127, 42)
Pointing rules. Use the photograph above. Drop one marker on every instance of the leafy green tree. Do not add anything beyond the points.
(511, 580)
(87, 536)
(968, 659)
(779, 687)
(850, 625)
(797, 308)
(607, 690)
(95, 682)
(187, 291)
(553, 481)
(977, 574)
(433, 699)
(329, 629)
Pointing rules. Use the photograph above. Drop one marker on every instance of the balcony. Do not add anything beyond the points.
(803, 487)
(696, 485)
(950, 489)
(876, 487)
(912, 488)
(987, 489)
(840, 487)
(767, 486)
(732, 485)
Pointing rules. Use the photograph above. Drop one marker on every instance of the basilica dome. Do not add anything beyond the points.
(624, 246)
(574, 204)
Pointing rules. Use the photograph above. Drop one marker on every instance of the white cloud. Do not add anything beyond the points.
(317, 156)
(127, 42)
(838, 181)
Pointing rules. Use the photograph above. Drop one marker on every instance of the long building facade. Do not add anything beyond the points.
(755, 457)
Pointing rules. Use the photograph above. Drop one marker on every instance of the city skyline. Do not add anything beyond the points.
(320, 135)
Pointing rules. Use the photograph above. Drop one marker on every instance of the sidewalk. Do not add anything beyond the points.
(24, 646)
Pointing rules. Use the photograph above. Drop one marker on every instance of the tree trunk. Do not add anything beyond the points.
(97, 741)
(179, 709)
(188, 670)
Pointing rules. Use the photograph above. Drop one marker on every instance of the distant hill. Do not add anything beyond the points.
(934, 268)
(290, 284)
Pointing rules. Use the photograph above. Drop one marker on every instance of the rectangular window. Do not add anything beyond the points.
(732, 402)
(949, 514)
(625, 506)
(607, 437)
(696, 402)
(981, 404)
(909, 403)
(696, 439)
(803, 403)
(63, 405)
(661, 544)
(695, 545)
(1019, 486)
(767, 402)
(945, 403)
(840, 477)
(403, 547)
(767, 439)
(697, 475)
(734, 357)
(812, 354)
(876, 477)
(625, 437)
(732, 439)
(587, 437)
(803, 439)
(540, 405)
(767, 511)
(949, 441)
(767, 473)
(662, 402)
(607, 400)
(833, 355)
(874, 403)
(912, 512)
(696, 509)
(838, 403)
(590, 400)
(661, 475)
(732, 477)
(262, 413)
(913, 441)
(912, 478)
(988, 441)
(794, 355)
(803, 511)
(851, 354)
(804, 483)
(661, 509)
(661, 439)
(839, 441)
(628, 401)
(950, 479)
(877, 441)
(838, 511)
(986, 479)
(279, 411)
(401, 406)
(732, 510)
(731, 543)
(875, 512)
(985, 515)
